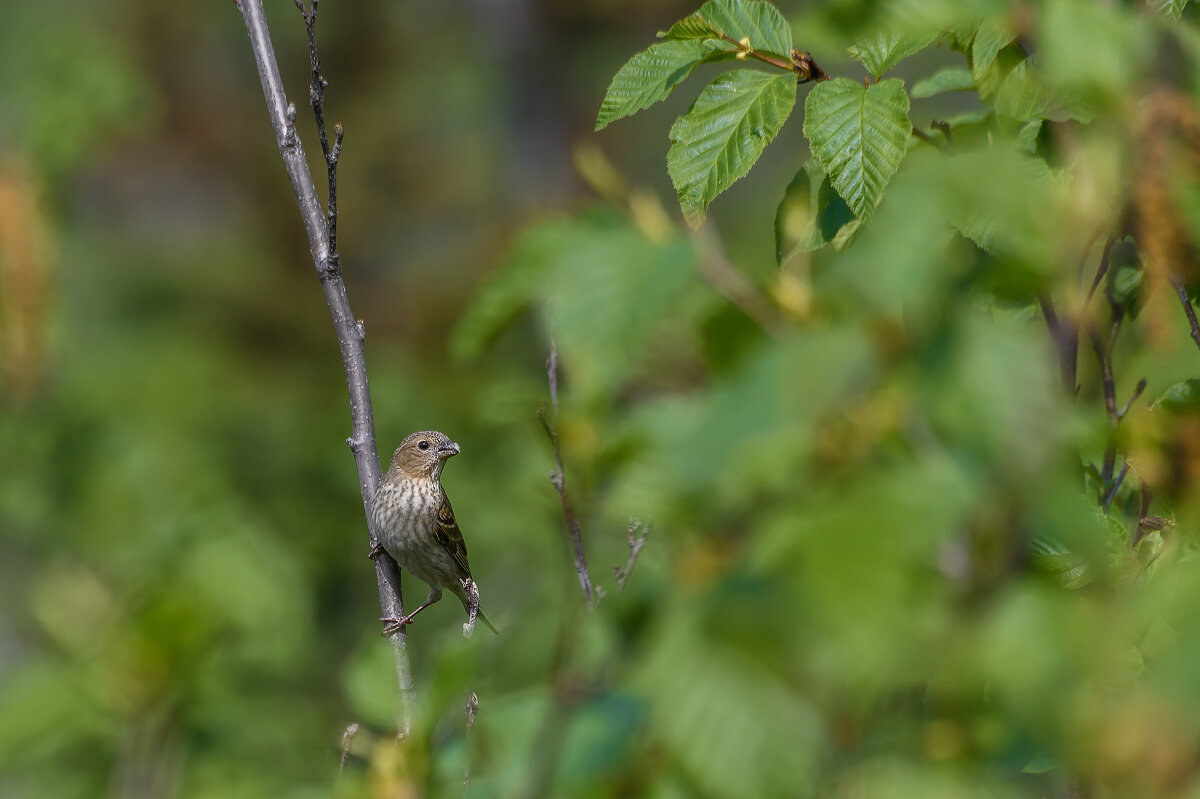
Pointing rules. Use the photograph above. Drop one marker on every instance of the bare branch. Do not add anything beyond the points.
(559, 479)
(637, 534)
(349, 331)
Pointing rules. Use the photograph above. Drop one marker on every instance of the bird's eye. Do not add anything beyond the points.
(423, 445)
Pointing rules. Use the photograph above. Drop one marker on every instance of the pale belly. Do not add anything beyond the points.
(409, 536)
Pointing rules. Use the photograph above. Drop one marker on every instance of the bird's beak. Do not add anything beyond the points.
(448, 451)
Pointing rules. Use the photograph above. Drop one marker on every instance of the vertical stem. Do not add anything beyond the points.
(350, 333)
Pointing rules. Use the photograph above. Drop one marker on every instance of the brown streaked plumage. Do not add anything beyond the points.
(415, 522)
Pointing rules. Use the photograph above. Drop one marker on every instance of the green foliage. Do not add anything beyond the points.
(721, 136)
(811, 214)
(758, 21)
(858, 134)
(918, 527)
(884, 49)
(948, 80)
(649, 77)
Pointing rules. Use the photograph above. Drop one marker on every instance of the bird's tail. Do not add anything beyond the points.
(488, 622)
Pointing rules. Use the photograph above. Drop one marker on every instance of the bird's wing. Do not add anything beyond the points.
(449, 536)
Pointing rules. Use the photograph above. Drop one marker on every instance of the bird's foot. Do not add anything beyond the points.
(392, 625)
(376, 550)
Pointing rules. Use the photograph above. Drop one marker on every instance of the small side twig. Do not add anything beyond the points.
(1112, 492)
(1186, 302)
(932, 142)
(559, 479)
(637, 534)
(1101, 270)
(944, 127)
(347, 743)
(472, 710)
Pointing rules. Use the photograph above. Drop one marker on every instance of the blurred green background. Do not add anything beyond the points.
(844, 468)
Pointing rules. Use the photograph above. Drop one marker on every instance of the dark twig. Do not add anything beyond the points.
(1101, 271)
(347, 742)
(1186, 302)
(472, 709)
(559, 479)
(350, 332)
(637, 533)
(932, 142)
(944, 127)
(1066, 343)
(1112, 492)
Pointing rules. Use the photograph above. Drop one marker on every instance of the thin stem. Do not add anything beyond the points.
(1186, 302)
(347, 743)
(559, 479)
(349, 332)
(1112, 492)
(1101, 270)
(746, 49)
(932, 142)
(1066, 343)
(637, 533)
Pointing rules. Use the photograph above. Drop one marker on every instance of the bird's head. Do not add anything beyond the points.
(423, 454)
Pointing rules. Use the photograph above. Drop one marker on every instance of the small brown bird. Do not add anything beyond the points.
(416, 525)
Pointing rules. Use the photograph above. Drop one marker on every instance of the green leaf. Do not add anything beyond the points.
(1021, 95)
(990, 39)
(1070, 570)
(1171, 9)
(649, 77)
(884, 49)
(756, 20)
(722, 135)
(858, 134)
(1182, 398)
(810, 215)
(948, 80)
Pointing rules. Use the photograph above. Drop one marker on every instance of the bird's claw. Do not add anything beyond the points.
(394, 625)
(376, 551)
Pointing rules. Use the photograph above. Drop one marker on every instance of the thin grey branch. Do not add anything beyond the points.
(637, 534)
(349, 331)
(559, 479)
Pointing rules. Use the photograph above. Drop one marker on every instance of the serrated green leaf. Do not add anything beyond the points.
(1021, 95)
(882, 50)
(649, 77)
(858, 134)
(756, 20)
(948, 80)
(1171, 9)
(989, 40)
(810, 215)
(1070, 570)
(722, 135)
(693, 27)
(1026, 140)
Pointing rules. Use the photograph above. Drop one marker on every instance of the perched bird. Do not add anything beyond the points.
(416, 525)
